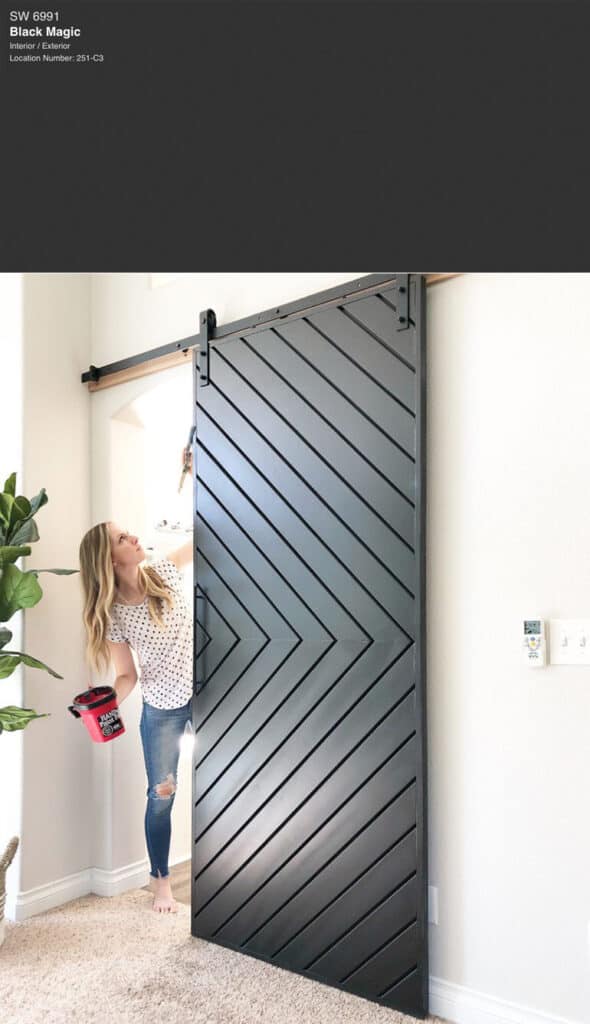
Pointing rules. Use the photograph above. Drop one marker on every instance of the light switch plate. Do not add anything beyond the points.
(569, 642)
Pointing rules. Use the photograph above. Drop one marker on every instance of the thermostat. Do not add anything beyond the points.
(534, 647)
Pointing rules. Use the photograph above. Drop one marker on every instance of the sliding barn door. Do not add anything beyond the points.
(309, 811)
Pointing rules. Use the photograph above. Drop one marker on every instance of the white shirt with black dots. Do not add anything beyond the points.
(165, 656)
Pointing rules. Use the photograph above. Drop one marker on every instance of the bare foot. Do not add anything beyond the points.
(164, 902)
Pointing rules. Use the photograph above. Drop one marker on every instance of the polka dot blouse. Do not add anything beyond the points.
(165, 656)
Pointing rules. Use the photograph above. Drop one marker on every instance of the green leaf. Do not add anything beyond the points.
(5, 636)
(26, 509)
(10, 485)
(10, 554)
(17, 590)
(8, 663)
(31, 662)
(21, 510)
(13, 718)
(25, 533)
(38, 501)
(59, 572)
(6, 503)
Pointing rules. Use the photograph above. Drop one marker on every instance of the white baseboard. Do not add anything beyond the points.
(466, 1006)
(25, 904)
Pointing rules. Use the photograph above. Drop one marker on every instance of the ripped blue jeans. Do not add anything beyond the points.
(161, 730)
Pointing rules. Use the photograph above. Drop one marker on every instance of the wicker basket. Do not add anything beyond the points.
(5, 862)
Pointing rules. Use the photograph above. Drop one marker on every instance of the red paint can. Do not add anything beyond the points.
(100, 713)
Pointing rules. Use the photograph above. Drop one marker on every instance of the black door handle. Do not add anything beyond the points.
(198, 686)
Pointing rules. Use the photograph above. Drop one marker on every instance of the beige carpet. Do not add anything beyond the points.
(97, 959)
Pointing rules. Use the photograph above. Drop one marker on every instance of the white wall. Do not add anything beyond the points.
(57, 813)
(507, 537)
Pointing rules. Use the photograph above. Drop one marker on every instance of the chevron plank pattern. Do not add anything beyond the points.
(307, 810)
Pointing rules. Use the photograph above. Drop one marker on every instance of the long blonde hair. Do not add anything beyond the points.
(98, 585)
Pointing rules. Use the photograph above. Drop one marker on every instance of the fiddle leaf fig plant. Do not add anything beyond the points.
(19, 589)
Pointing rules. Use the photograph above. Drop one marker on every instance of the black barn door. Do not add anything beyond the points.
(309, 781)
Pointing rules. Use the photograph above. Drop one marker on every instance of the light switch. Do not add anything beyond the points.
(569, 642)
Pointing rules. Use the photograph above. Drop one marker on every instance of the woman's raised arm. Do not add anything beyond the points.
(181, 556)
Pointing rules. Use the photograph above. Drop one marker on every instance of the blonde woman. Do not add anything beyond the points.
(128, 606)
